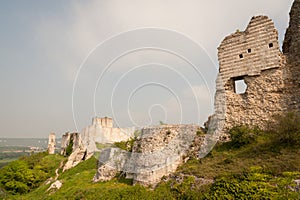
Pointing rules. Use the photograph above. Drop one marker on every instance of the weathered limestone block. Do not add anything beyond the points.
(84, 144)
(72, 142)
(72, 139)
(157, 152)
(55, 186)
(110, 162)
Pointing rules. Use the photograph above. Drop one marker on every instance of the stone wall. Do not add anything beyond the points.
(291, 49)
(104, 122)
(100, 131)
(51, 143)
(85, 143)
(157, 152)
(250, 52)
(254, 56)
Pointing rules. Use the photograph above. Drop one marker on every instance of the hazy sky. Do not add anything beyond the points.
(138, 61)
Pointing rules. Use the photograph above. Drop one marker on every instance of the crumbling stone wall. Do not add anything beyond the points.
(104, 122)
(102, 131)
(272, 78)
(291, 49)
(157, 152)
(51, 143)
(254, 57)
(250, 52)
(84, 144)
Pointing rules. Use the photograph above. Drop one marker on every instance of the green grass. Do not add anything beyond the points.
(230, 167)
(77, 184)
(223, 159)
(251, 166)
(103, 146)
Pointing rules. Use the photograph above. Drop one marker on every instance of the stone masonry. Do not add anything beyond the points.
(84, 144)
(102, 131)
(157, 152)
(254, 56)
(51, 143)
(291, 49)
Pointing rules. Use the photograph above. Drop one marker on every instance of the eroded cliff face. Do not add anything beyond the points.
(72, 146)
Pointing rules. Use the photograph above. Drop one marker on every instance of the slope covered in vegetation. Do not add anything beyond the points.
(256, 164)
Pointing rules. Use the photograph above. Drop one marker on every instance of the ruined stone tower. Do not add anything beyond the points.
(291, 50)
(104, 122)
(51, 143)
(271, 77)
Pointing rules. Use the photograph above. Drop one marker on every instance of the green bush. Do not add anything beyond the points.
(253, 184)
(125, 145)
(285, 129)
(242, 135)
(69, 148)
(27, 173)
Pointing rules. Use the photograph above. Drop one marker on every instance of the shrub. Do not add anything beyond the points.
(285, 129)
(242, 135)
(69, 148)
(126, 145)
(27, 173)
(253, 184)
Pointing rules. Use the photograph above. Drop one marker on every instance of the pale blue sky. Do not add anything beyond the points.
(43, 43)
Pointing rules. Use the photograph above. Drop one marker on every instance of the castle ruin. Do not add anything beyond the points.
(271, 77)
(84, 144)
(157, 152)
(253, 56)
(51, 143)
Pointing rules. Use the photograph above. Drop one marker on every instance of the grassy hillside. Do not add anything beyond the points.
(254, 165)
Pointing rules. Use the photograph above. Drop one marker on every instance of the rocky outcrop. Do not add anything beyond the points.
(156, 153)
(72, 146)
(101, 131)
(79, 147)
(55, 186)
(110, 162)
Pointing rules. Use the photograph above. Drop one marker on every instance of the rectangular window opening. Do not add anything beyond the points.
(271, 45)
(240, 86)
